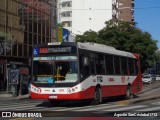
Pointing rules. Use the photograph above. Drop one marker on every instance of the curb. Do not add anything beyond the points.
(144, 99)
(130, 102)
(21, 97)
(11, 97)
(143, 91)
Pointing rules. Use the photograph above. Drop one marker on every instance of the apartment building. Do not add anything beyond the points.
(79, 16)
(123, 10)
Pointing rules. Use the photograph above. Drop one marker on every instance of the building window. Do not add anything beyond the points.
(66, 14)
(67, 4)
(121, 12)
(67, 24)
(120, 4)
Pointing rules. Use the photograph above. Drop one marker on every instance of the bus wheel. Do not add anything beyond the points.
(55, 103)
(128, 93)
(97, 97)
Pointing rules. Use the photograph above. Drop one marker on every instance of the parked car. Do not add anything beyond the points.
(158, 77)
(147, 79)
(153, 77)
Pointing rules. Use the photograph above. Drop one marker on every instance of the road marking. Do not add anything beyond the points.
(19, 107)
(22, 119)
(21, 102)
(84, 107)
(99, 108)
(156, 103)
(125, 108)
(17, 104)
(150, 109)
(123, 102)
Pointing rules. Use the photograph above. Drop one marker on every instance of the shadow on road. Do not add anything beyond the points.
(81, 103)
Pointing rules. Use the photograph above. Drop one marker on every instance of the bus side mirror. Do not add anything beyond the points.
(85, 61)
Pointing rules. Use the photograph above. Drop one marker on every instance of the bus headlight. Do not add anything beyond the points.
(69, 90)
(35, 89)
(73, 89)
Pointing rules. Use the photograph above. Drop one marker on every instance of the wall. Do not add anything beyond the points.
(90, 15)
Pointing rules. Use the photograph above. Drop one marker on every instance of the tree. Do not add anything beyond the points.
(125, 36)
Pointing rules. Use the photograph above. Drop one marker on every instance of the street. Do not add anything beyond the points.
(111, 107)
(107, 109)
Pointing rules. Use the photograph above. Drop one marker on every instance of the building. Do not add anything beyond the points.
(23, 23)
(83, 15)
(123, 10)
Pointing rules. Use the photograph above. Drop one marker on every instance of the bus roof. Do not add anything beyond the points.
(104, 49)
(92, 47)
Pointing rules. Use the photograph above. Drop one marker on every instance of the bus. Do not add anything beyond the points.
(83, 71)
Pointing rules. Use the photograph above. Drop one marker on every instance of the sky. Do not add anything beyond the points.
(147, 16)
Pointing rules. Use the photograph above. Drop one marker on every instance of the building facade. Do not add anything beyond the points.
(23, 23)
(123, 10)
(79, 16)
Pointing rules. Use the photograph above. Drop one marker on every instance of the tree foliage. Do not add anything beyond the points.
(125, 36)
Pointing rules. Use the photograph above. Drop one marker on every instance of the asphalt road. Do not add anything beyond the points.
(81, 109)
(149, 109)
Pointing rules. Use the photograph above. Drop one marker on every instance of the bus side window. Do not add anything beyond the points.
(131, 66)
(84, 68)
(117, 65)
(100, 68)
(109, 65)
(92, 66)
(124, 66)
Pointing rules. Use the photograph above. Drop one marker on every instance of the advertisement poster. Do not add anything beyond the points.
(65, 35)
(60, 32)
(14, 76)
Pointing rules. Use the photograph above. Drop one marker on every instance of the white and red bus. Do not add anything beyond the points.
(83, 71)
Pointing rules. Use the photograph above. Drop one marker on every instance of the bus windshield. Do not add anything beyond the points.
(55, 69)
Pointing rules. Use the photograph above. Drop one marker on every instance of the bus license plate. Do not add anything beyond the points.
(53, 96)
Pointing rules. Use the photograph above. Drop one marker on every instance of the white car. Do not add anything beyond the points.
(158, 77)
(147, 79)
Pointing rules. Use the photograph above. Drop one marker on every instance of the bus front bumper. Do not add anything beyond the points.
(73, 96)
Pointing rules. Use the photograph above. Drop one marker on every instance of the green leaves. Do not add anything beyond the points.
(125, 36)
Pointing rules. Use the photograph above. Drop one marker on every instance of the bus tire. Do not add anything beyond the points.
(128, 93)
(97, 97)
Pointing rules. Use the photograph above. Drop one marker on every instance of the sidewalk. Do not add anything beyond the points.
(9, 96)
(146, 88)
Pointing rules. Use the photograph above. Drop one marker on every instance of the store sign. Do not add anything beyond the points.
(66, 34)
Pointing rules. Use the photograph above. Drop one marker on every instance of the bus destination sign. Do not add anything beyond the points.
(54, 50)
